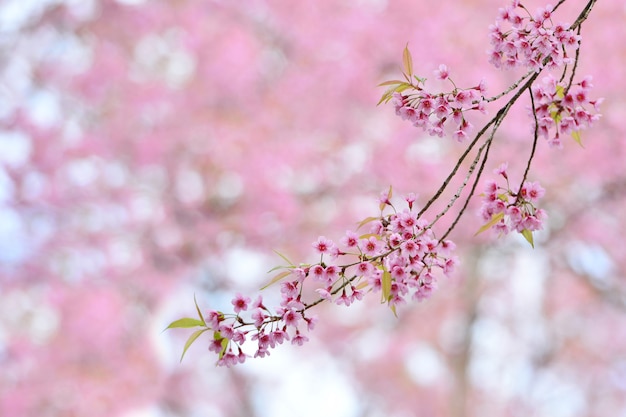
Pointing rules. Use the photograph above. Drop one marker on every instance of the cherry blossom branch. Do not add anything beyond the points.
(401, 253)
(584, 14)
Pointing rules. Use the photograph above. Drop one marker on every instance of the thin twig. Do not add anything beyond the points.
(480, 171)
(535, 136)
(511, 87)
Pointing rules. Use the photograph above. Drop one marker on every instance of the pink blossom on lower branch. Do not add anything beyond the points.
(505, 210)
(398, 259)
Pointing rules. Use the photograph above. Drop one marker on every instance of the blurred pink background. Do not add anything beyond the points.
(153, 150)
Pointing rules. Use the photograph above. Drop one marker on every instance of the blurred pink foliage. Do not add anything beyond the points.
(154, 139)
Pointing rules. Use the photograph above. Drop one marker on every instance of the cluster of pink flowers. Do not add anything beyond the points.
(431, 111)
(269, 329)
(532, 41)
(505, 210)
(561, 112)
(398, 258)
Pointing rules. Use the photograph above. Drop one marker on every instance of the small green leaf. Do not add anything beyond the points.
(393, 308)
(368, 235)
(186, 322)
(494, 219)
(362, 285)
(284, 258)
(224, 346)
(276, 279)
(528, 235)
(400, 88)
(407, 61)
(560, 91)
(367, 220)
(576, 137)
(198, 310)
(388, 94)
(386, 285)
(391, 82)
(192, 339)
(276, 268)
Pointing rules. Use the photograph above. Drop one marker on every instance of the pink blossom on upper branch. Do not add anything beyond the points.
(521, 40)
(560, 111)
(433, 111)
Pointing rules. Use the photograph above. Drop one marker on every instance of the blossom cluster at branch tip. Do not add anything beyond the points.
(560, 111)
(432, 111)
(399, 258)
(521, 39)
(505, 210)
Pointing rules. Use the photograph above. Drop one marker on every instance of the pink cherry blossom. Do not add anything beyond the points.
(350, 240)
(370, 246)
(291, 317)
(323, 245)
(299, 339)
(240, 303)
(442, 73)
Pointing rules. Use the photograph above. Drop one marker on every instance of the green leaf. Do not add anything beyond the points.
(284, 258)
(276, 279)
(367, 220)
(494, 219)
(528, 235)
(400, 88)
(393, 308)
(192, 339)
(224, 346)
(576, 137)
(388, 94)
(391, 82)
(407, 61)
(186, 322)
(362, 285)
(560, 91)
(386, 285)
(368, 235)
(198, 310)
(276, 268)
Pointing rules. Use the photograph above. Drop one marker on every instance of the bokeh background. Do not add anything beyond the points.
(155, 150)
